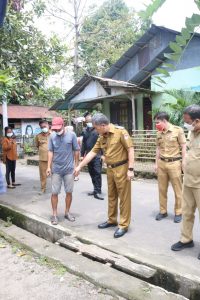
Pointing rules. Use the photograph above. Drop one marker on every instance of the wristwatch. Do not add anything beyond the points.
(131, 169)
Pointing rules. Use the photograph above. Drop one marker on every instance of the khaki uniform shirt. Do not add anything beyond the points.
(192, 162)
(41, 142)
(114, 145)
(169, 141)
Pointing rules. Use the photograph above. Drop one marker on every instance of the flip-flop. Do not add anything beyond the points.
(69, 217)
(54, 220)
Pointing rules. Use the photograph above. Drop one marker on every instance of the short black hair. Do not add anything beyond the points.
(43, 121)
(7, 128)
(162, 115)
(87, 113)
(193, 111)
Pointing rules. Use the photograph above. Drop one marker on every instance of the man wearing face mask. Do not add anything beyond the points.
(170, 158)
(41, 142)
(191, 181)
(63, 156)
(117, 147)
(90, 137)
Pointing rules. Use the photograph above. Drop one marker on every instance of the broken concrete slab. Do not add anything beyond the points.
(105, 256)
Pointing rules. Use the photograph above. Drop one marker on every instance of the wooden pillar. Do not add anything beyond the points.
(133, 111)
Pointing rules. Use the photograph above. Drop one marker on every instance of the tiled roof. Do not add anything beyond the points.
(29, 112)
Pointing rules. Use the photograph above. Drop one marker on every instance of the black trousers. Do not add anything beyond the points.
(10, 170)
(94, 168)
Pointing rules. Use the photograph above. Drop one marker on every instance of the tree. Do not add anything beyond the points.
(177, 101)
(46, 96)
(26, 51)
(8, 81)
(180, 99)
(71, 13)
(107, 34)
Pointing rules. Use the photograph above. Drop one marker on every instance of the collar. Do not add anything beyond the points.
(169, 128)
(111, 128)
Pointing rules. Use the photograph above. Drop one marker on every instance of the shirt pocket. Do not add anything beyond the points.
(114, 141)
(172, 141)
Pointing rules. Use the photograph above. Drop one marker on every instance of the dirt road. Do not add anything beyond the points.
(25, 277)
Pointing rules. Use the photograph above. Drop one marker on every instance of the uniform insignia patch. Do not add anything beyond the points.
(126, 136)
(119, 127)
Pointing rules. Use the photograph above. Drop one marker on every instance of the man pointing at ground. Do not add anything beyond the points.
(117, 148)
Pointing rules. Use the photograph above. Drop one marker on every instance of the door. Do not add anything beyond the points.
(121, 114)
(147, 117)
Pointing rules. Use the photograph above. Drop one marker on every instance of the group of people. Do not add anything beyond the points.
(60, 154)
(177, 161)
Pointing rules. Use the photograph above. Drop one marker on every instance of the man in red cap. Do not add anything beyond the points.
(63, 150)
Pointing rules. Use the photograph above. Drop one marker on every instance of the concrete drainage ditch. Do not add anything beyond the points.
(158, 277)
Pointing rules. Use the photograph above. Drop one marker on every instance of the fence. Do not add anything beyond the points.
(145, 149)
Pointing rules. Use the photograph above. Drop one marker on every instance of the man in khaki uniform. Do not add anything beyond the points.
(170, 154)
(118, 151)
(41, 142)
(191, 182)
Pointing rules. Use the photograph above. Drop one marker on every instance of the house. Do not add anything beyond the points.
(24, 119)
(128, 91)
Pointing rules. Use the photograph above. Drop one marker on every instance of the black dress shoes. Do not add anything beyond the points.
(91, 194)
(177, 218)
(120, 232)
(160, 216)
(106, 225)
(98, 196)
(180, 246)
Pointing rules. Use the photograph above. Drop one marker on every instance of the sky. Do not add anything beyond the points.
(172, 14)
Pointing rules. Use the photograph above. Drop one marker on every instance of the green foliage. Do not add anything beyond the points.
(107, 34)
(27, 148)
(178, 101)
(46, 96)
(151, 8)
(8, 80)
(31, 55)
(179, 45)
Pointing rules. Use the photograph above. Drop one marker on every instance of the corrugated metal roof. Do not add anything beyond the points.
(131, 52)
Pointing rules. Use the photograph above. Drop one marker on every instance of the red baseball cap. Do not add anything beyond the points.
(57, 123)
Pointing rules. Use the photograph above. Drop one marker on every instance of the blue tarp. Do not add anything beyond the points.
(2, 183)
(3, 4)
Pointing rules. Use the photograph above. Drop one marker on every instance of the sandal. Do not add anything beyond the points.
(10, 187)
(54, 220)
(69, 217)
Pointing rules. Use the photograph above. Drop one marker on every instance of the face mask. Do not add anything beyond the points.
(60, 132)
(159, 127)
(189, 127)
(45, 130)
(9, 134)
(89, 125)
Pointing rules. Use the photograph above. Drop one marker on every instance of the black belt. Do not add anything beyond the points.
(170, 159)
(111, 166)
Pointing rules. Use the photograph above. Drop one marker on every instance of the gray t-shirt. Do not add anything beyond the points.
(63, 148)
